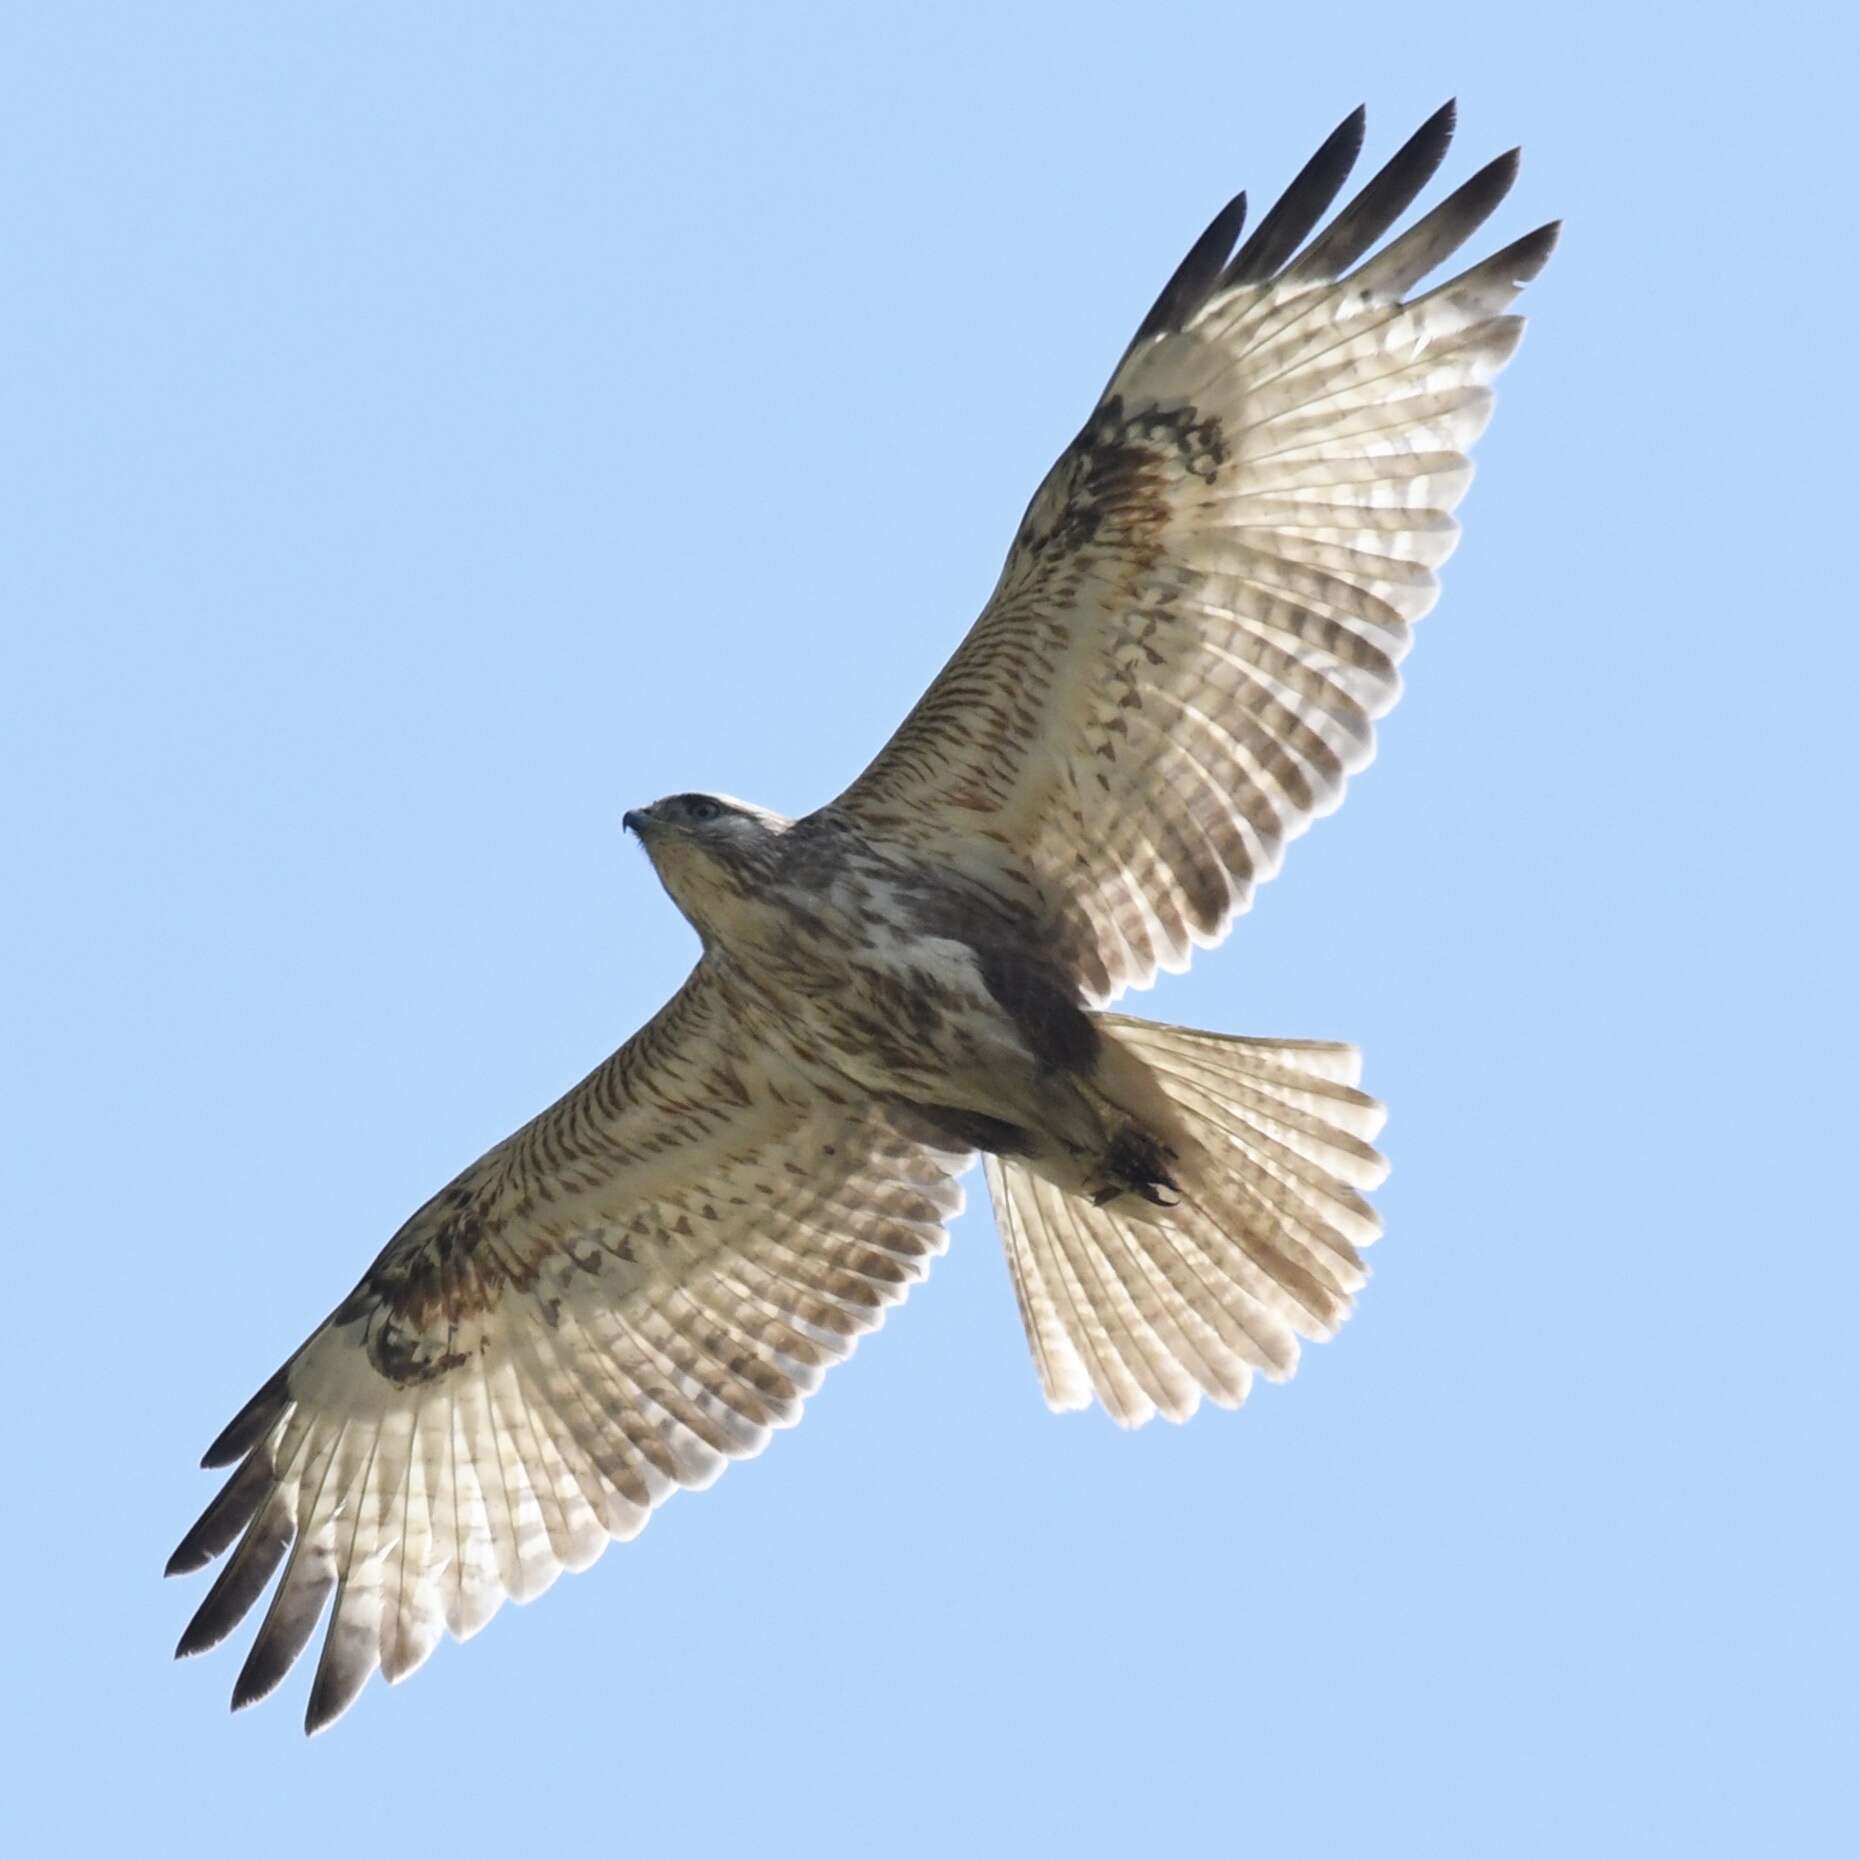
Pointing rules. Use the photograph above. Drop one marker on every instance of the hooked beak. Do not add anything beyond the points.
(634, 821)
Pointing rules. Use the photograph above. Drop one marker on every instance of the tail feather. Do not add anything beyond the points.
(1020, 1219)
(1149, 1309)
(1125, 1349)
(1084, 1345)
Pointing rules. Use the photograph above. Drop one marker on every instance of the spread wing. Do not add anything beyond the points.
(633, 1289)
(1205, 605)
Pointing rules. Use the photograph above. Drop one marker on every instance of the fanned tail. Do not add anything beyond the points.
(1151, 1308)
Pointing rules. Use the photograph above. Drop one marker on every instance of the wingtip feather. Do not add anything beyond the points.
(232, 1508)
(186, 1557)
(240, 1583)
(1382, 200)
(250, 1424)
(1305, 201)
(1532, 253)
(1191, 281)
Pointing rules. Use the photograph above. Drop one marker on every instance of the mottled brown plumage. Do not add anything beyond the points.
(1198, 621)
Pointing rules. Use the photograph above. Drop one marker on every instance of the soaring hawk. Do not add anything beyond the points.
(1200, 616)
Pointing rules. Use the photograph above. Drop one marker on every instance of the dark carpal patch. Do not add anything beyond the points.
(1114, 482)
(409, 1357)
(441, 1272)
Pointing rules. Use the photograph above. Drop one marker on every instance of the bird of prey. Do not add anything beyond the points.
(1200, 617)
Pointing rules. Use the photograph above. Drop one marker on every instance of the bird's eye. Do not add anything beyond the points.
(702, 807)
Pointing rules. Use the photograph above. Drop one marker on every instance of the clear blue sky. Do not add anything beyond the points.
(431, 430)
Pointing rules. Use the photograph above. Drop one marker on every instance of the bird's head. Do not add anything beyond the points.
(713, 854)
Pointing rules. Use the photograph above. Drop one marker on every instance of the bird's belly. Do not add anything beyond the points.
(912, 1021)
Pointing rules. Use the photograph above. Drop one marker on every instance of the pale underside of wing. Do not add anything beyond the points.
(634, 1290)
(1204, 609)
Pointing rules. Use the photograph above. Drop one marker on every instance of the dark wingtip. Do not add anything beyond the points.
(328, 1701)
(252, 1686)
(1441, 232)
(1346, 141)
(1499, 173)
(1286, 227)
(1479, 198)
(212, 1622)
(249, 1425)
(230, 1511)
(1532, 253)
(349, 1661)
(194, 1640)
(1382, 201)
(240, 1583)
(1195, 276)
(1427, 148)
(283, 1634)
(1474, 201)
